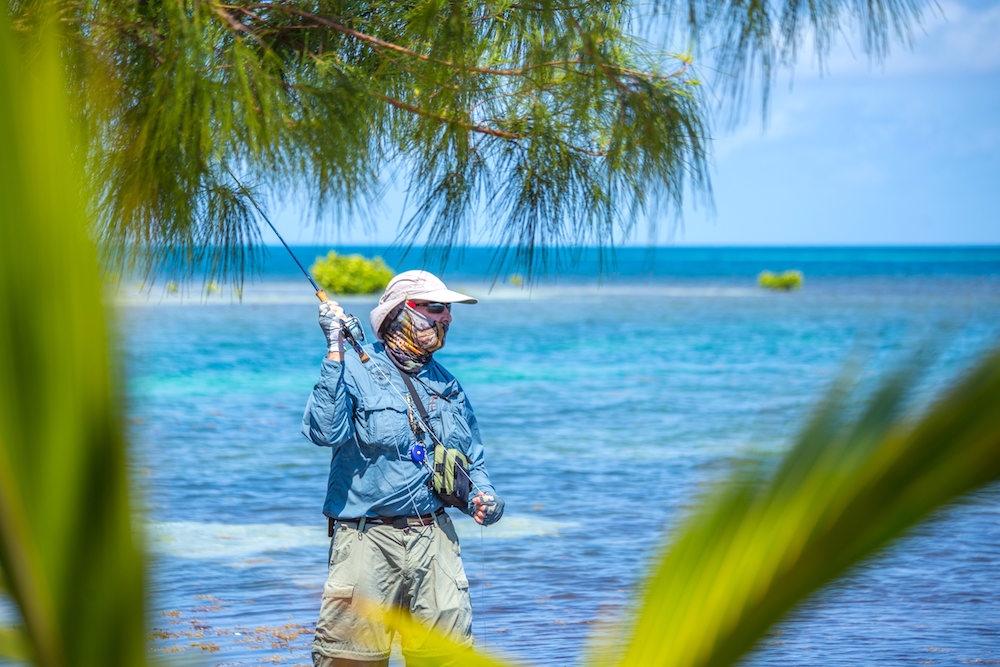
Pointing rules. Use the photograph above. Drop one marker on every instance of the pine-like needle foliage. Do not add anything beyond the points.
(530, 125)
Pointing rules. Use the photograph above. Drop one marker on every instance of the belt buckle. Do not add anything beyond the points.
(400, 522)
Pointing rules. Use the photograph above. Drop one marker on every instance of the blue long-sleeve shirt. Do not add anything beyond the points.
(360, 410)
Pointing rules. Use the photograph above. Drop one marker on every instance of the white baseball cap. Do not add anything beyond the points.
(408, 285)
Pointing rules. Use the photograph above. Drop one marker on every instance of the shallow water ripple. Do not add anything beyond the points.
(607, 415)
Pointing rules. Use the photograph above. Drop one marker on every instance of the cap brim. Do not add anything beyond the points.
(442, 296)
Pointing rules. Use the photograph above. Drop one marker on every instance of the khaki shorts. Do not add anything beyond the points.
(417, 568)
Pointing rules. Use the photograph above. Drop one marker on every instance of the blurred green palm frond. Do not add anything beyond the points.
(436, 644)
(764, 542)
(69, 560)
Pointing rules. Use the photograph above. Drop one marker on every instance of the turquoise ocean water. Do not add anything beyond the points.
(609, 395)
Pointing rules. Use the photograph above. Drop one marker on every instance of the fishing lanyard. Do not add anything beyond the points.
(422, 420)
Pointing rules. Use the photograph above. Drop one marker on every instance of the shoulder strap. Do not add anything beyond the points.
(425, 419)
(416, 398)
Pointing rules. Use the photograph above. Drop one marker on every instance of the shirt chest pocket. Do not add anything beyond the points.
(456, 430)
(381, 423)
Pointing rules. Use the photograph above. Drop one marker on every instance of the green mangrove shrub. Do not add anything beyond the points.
(350, 274)
(788, 280)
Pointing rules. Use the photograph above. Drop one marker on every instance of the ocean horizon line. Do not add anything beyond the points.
(609, 248)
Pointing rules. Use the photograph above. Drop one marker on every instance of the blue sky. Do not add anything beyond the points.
(906, 152)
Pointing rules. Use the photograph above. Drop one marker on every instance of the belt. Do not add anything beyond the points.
(394, 521)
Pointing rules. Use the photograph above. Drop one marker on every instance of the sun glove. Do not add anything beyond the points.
(494, 509)
(330, 317)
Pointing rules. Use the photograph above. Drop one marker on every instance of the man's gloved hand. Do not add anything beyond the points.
(330, 317)
(489, 509)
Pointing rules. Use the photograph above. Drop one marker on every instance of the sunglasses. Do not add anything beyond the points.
(432, 308)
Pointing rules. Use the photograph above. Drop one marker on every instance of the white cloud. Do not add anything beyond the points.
(970, 37)
(955, 40)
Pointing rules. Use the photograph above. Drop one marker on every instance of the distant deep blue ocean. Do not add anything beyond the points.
(612, 391)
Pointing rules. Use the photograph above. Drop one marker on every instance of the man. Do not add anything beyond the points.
(392, 542)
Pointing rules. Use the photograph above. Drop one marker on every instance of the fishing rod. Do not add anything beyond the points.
(349, 325)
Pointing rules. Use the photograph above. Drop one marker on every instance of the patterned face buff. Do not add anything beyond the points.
(411, 338)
